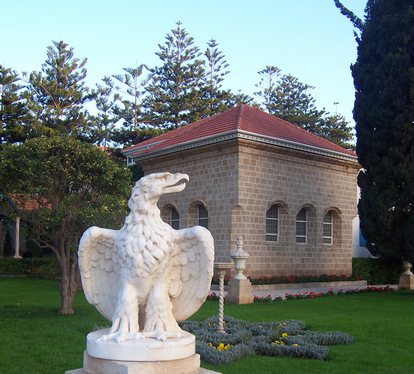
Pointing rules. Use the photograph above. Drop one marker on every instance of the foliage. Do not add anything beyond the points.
(384, 113)
(315, 295)
(174, 92)
(57, 95)
(44, 267)
(336, 129)
(280, 279)
(13, 112)
(242, 338)
(103, 124)
(133, 86)
(62, 186)
(377, 271)
(215, 99)
(284, 96)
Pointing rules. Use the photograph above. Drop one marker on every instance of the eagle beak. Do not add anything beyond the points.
(179, 183)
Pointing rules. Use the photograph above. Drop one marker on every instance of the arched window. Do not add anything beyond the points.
(272, 224)
(174, 218)
(203, 216)
(301, 226)
(328, 228)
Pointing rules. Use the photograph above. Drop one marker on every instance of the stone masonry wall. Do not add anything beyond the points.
(292, 182)
(239, 181)
(213, 182)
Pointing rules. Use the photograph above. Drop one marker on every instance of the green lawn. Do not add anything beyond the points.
(35, 339)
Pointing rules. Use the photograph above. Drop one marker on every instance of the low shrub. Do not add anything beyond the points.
(377, 271)
(43, 267)
(314, 295)
(242, 338)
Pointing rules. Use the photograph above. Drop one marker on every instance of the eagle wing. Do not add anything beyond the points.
(192, 270)
(99, 268)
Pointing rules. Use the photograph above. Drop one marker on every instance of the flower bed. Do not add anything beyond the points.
(242, 338)
(313, 295)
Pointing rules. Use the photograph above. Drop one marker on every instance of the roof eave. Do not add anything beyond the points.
(241, 134)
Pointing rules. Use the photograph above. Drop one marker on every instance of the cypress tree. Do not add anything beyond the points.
(384, 114)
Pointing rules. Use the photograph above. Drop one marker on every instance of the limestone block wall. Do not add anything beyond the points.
(213, 183)
(294, 181)
(237, 181)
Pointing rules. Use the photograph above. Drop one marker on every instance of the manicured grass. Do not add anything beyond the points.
(35, 339)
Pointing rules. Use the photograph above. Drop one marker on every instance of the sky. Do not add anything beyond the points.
(308, 39)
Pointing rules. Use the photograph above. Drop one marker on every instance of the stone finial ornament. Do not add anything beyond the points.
(239, 257)
(147, 276)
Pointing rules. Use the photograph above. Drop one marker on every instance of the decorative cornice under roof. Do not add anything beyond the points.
(239, 134)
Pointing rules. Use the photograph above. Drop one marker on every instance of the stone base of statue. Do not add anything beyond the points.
(141, 356)
(239, 291)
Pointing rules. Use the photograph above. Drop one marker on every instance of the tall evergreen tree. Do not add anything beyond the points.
(175, 91)
(384, 114)
(102, 125)
(267, 86)
(132, 91)
(57, 94)
(286, 97)
(14, 117)
(336, 129)
(294, 103)
(130, 109)
(215, 99)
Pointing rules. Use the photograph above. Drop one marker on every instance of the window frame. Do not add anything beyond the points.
(174, 220)
(329, 225)
(202, 220)
(272, 235)
(302, 221)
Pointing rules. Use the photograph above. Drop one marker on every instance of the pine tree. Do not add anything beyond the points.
(132, 92)
(384, 114)
(215, 99)
(284, 96)
(57, 94)
(268, 87)
(14, 117)
(102, 126)
(294, 103)
(174, 92)
(336, 129)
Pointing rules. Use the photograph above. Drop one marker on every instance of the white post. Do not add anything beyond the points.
(17, 239)
(220, 327)
(221, 271)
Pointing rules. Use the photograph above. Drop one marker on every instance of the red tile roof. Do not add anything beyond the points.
(240, 119)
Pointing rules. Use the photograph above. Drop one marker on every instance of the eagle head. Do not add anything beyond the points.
(151, 187)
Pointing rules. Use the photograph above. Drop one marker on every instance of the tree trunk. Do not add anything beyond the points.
(68, 284)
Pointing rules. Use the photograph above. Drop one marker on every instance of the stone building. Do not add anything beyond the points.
(290, 194)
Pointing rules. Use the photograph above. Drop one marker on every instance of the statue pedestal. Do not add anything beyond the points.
(239, 291)
(146, 349)
(93, 365)
(141, 356)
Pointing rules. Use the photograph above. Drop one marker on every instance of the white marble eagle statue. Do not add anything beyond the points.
(147, 276)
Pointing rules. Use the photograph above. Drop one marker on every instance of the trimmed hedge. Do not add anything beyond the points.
(42, 267)
(377, 271)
